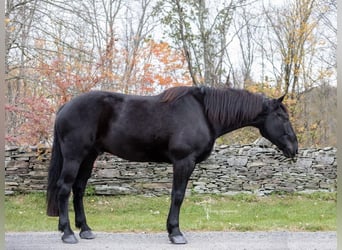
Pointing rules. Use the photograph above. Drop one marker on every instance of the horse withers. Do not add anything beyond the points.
(178, 126)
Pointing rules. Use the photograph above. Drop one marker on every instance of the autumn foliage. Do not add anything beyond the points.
(61, 76)
(58, 50)
(155, 67)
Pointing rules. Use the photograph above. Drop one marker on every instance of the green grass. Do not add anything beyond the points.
(315, 212)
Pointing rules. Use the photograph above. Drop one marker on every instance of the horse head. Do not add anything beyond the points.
(277, 128)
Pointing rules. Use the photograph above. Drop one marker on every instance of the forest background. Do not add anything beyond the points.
(58, 49)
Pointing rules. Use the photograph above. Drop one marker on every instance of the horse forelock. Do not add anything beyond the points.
(232, 107)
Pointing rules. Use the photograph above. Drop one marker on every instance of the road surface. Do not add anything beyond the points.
(196, 241)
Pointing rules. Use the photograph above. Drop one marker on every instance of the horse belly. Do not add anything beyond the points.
(136, 148)
(139, 155)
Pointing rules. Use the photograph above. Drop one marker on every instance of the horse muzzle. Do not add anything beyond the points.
(290, 152)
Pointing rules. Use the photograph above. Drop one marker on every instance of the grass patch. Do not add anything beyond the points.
(296, 212)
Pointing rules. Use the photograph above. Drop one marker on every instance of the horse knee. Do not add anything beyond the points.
(179, 195)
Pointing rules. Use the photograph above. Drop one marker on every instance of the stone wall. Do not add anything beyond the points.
(230, 169)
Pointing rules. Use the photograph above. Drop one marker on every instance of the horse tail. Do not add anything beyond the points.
(54, 173)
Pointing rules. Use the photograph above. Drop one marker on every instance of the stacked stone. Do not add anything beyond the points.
(26, 169)
(258, 168)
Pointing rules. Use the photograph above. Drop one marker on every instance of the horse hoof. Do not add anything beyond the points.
(88, 235)
(69, 239)
(177, 239)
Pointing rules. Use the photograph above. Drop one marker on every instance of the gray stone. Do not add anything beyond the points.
(304, 162)
(108, 173)
(111, 190)
(255, 164)
(246, 168)
(237, 161)
(325, 160)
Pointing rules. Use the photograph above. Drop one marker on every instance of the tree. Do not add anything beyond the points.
(291, 34)
(201, 30)
(20, 16)
(159, 66)
(59, 49)
(245, 28)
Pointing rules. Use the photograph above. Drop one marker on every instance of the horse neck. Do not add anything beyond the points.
(231, 109)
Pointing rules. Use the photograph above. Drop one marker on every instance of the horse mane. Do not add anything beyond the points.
(175, 93)
(226, 106)
(232, 106)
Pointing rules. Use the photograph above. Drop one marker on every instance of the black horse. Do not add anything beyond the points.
(179, 126)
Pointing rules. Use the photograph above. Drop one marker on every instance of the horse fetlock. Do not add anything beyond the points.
(61, 227)
(172, 227)
(174, 230)
(82, 225)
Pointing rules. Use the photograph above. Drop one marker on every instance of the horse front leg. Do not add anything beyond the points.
(181, 174)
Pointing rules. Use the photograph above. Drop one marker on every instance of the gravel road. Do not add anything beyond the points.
(197, 241)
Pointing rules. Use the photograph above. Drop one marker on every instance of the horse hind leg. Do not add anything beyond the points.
(65, 183)
(78, 194)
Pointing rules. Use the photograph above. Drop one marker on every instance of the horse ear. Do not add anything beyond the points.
(280, 99)
(275, 103)
(272, 104)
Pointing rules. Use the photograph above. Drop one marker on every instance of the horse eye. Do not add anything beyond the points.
(283, 115)
(288, 130)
